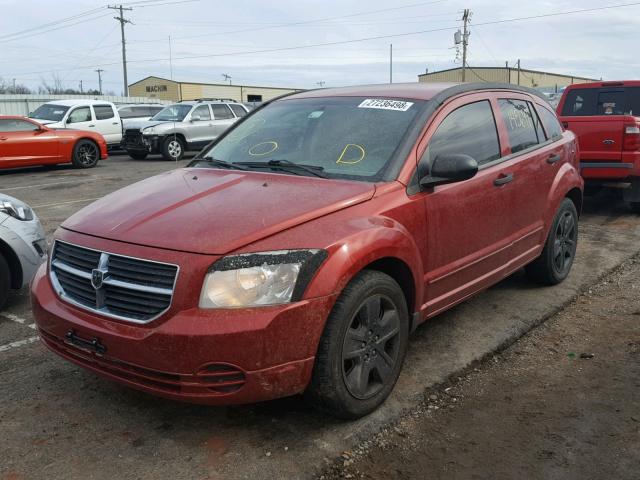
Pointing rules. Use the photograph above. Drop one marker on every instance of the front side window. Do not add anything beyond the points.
(172, 113)
(127, 112)
(348, 137)
(50, 111)
(469, 130)
(103, 112)
(16, 125)
(519, 120)
(81, 114)
(201, 113)
(221, 112)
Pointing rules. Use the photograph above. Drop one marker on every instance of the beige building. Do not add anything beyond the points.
(528, 78)
(164, 89)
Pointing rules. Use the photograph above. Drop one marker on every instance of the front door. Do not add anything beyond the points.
(466, 221)
(201, 129)
(80, 118)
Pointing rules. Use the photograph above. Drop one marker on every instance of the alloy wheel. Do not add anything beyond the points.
(87, 153)
(371, 347)
(174, 148)
(564, 243)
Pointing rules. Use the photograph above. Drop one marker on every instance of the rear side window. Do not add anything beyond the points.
(469, 130)
(520, 124)
(126, 112)
(103, 112)
(221, 112)
(238, 110)
(551, 123)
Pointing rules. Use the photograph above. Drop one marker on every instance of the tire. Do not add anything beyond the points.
(137, 155)
(5, 281)
(172, 148)
(554, 264)
(85, 154)
(348, 380)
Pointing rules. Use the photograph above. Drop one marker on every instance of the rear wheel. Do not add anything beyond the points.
(173, 148)
(138, 155)
(554, 264)
(85, 154)
(362, 348)
(5, 281)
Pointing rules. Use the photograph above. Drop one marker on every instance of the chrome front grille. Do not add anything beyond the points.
(114, 285)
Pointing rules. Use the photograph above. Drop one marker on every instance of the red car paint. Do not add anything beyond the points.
(608, 133)
(442, 245)
(43, 145)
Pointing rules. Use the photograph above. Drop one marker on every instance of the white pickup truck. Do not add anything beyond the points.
(93, 115)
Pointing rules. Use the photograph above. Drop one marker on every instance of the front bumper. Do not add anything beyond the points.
(142, 143)
(215, 357)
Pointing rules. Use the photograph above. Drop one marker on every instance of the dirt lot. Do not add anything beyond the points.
(59, 421)
(560, 403)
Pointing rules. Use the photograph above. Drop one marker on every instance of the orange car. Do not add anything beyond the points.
(24, 143)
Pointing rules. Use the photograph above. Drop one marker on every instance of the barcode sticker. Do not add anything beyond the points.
(397, 105)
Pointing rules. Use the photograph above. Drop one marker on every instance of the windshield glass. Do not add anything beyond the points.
(349, 137)
(49, 111)
(172, 113)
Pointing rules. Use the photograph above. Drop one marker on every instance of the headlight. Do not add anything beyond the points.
(149, 131)
(255, 279)
(16, 210)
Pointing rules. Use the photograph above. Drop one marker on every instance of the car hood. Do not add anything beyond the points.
(46, 122)
(212, 211)
(141, 124)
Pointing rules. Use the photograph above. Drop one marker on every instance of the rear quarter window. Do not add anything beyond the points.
(551, 123)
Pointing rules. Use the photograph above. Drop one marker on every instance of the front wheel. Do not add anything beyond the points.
(85, 154)
(173, 148)
(554, 264)
(362, 348)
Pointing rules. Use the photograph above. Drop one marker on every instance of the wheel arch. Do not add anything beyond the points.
(15, 268)
(575, 195)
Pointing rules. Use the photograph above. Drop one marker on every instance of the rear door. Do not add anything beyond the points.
(108, 123)
(223, 117)
(595, 115)
(22, 144)
(467, 222)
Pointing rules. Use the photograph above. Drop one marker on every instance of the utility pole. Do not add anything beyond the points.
(170, 60)
(81, 87)
(99, 70)
(466, 16)
(122, 21)
(518, 71)
(321, 83)
(391, 63)
(227, 77)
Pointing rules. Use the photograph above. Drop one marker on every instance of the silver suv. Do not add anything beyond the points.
(183, 126)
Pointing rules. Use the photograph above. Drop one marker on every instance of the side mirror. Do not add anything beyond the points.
(69, 119)
(450, 168)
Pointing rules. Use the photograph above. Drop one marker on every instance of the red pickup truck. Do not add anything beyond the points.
(605, 116)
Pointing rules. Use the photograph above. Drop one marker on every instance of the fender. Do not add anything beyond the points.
(382, 238)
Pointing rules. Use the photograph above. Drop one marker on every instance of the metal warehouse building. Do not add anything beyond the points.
(165, 89)
(528, 78)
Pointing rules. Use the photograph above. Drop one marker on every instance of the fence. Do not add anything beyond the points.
(24, 104)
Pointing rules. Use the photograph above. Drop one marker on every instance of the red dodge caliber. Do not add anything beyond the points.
(298, 251)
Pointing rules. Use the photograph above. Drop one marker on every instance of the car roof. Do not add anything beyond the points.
(414, 91)
(16, 117)
(78, 101)
(613, 83)
(122, 105)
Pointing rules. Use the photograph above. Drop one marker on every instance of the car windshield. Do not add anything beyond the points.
(172, 113)
(49, 111)
(344, 137)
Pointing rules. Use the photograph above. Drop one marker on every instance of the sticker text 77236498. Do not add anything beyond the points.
(398, 105)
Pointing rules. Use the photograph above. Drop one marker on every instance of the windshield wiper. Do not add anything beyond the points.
(286, 165)
(220, 163)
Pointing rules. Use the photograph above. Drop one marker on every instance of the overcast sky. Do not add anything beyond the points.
(591, 44)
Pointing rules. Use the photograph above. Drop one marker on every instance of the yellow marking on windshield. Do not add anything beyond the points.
(351, 161)
(253, 153)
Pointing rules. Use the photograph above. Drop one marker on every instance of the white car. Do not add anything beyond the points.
(138, 111)
(93, 115)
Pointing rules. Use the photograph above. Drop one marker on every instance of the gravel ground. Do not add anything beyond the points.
(561, 403)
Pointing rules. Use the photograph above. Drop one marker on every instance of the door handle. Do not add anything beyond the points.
(503, 179)
(92, 125)
(4, 138)
(553, 158)
(608, 141)
(116, 123)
